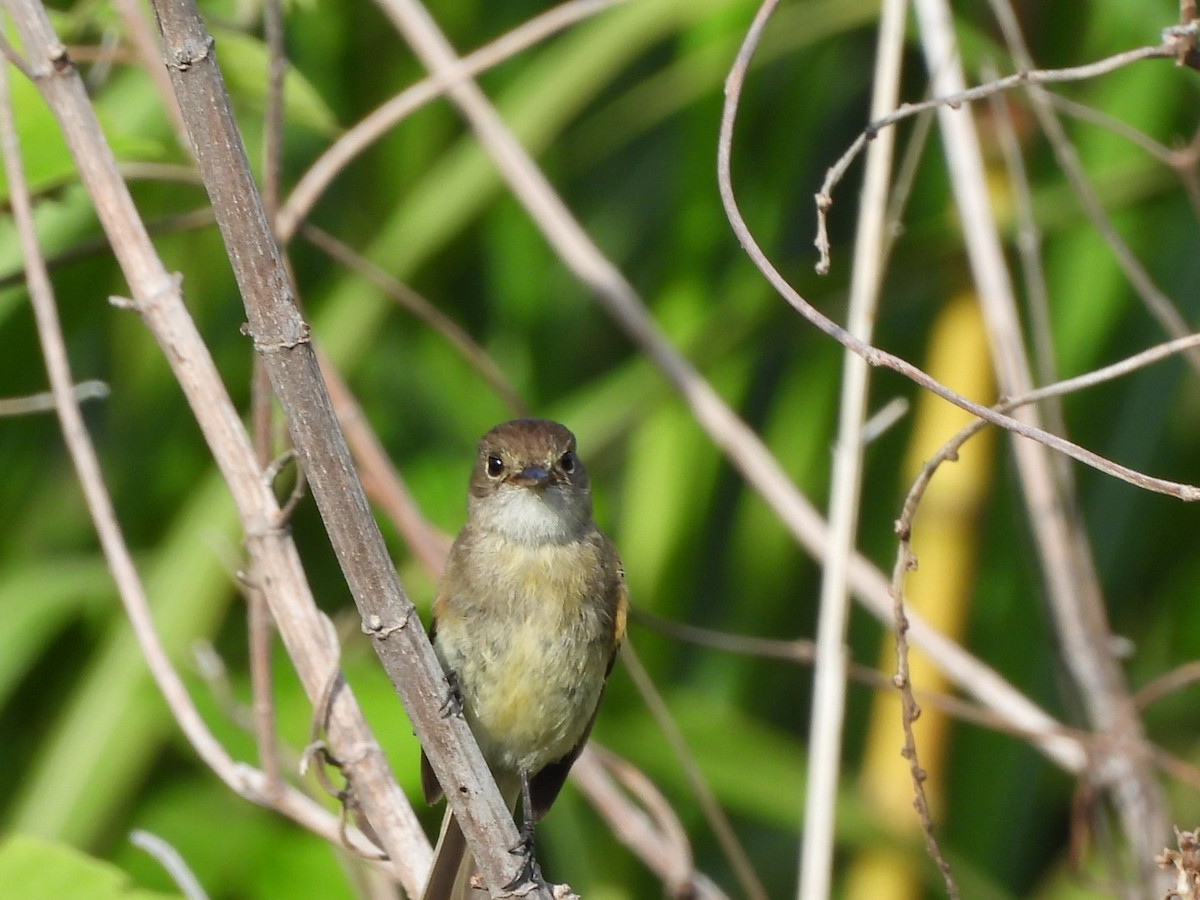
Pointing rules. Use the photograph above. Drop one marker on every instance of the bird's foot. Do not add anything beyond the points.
(453, 704)
(530, 877)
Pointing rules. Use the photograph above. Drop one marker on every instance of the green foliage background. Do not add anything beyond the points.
(622, 113)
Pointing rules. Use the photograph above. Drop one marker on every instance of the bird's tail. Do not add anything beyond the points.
(453, 864)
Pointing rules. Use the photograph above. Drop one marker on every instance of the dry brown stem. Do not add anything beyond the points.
(248, 782)
(281, 336)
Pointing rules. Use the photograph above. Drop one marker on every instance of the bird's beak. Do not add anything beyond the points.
(532, 476)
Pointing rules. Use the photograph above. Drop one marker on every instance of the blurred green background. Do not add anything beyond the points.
(622, 113)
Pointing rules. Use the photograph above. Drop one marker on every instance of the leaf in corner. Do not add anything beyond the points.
(36, 869)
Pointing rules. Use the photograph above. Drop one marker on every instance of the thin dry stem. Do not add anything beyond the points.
(905, 560)
(9, 52)
(1181, 160)
(658, 839)
(1160, 306)
(739, 443)
(407, 298)
(357, 139)
(877, 357)
(1029, 247)
(244, 780)
(802, 652)
(734, 852)
(1168, 683)
(169, 858)
(829, 678)
(44, 402)
(835, 173)
(1072, 586)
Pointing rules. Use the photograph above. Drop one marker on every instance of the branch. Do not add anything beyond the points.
(281, 336)
(955, 100)
(246, 781)
(657, 838)
(874, 355)
(1158, 303)
(348, 146)
(1072, 585)
(158, 301)
(845, 496)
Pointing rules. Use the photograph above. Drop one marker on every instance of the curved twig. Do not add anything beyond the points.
(872, 354)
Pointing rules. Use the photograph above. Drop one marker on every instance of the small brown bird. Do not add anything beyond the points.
(527, 620)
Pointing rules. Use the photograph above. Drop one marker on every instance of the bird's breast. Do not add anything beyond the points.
(530, 642)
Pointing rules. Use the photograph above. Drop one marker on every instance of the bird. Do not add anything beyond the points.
(528, 617)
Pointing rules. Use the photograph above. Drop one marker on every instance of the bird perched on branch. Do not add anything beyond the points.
(527, 621)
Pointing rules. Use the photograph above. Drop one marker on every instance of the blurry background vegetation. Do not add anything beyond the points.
(622, 113)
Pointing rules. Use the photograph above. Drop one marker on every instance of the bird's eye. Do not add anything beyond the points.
(567, 462)
(495, 466)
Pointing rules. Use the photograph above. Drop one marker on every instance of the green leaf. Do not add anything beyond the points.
(34, 869)
(244, 63)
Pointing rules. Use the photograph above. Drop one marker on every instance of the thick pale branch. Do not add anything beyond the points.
(281, 336)
(246, 781)
(157, 299)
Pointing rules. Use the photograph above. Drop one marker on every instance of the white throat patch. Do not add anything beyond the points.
(532, 515)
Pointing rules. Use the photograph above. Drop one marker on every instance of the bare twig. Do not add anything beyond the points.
(357, 139)
(906, 176)
(44, 402)
(1160, 306)
(709, 806)
(955, 100)
(1072, 586)
(1181, 160)
(659, 841)
(1135, 136)
(9, 52)
(281, 336)
(905, 559)
(802, 652)
(409, 299)
(882, 420)
(1175, 680)
(910, 709)
(1139, 360)
(874, 355)
(829, 678)
(1029, 246)
(246, 781)
(168, 857)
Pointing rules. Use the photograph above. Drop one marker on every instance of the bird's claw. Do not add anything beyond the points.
(453, 704)
(531, 872)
